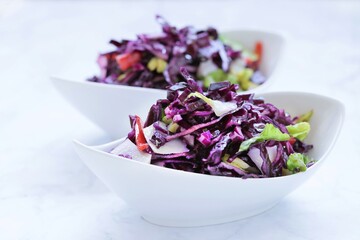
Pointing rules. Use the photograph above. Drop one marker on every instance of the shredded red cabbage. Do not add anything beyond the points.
(153, 61)
(214, 141)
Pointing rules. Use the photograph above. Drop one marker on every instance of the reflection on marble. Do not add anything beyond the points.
(47, 193)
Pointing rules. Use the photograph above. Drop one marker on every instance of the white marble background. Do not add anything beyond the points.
(47, 193)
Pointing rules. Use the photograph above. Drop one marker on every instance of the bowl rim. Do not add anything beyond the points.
(98, 148)
(105, 85)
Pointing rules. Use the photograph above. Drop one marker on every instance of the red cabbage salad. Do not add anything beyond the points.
(219, 132)
(153, 61)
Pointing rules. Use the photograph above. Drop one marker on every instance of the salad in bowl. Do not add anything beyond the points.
(219, 132)
(153, 60)
(202, 158)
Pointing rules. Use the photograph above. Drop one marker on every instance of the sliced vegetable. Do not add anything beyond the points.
(244, 78)
(208, 81)
(299, 130)
(205, 138)
(166, 120)
(296, 162)
(157, 64)
(232, 78)
(218, 75)
(219, 108)
(171, 147)
(237, 162)
(131, 151)
(270, 132)
(292, 140)
(305, 117)
(258, 51)
(127, 60)
(173, 127)
(140, 138)
(255, 156)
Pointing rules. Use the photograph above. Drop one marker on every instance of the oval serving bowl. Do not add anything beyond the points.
(176, 198)
(106, 105)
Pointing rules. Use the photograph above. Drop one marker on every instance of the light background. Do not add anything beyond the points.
(47, 193)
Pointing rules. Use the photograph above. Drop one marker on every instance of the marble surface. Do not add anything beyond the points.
(46, 192)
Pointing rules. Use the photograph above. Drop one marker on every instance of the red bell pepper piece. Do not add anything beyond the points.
(258, 51)
(127, 60)
(140, 137)
(292, 140)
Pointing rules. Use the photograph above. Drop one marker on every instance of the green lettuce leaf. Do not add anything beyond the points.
(217, 75)
(246, 144)
(270, 132)
(305, 117)
(297, 162)
(299, 130)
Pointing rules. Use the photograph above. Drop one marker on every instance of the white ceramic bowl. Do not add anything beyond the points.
(106, 105)
(176, 198)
